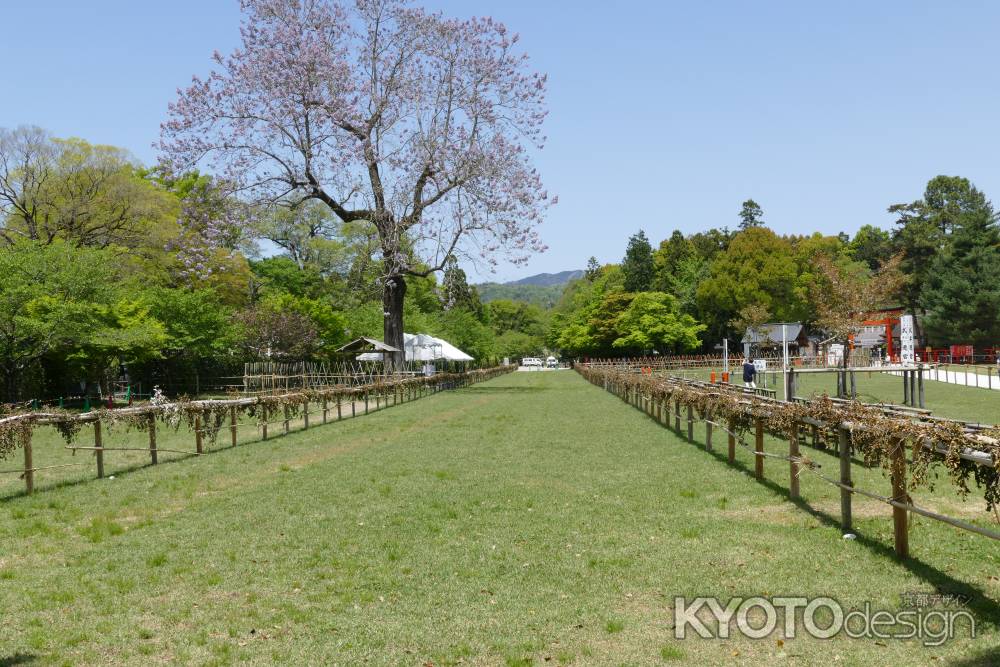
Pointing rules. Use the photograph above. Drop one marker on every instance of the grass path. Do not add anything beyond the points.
(530, 520)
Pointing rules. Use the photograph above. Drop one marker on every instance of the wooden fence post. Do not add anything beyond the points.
(98, 449)
(708, 432)
(732, 441)
(325, 409)
(690, 415)
(677, 416)
(920, 385)
(197, 433)
(900, 529)
(232, 425)
(305, 413)
(287, 426)
(758, 462)
(844, 445)
(366, 402)
(152, 437)
(29, 465)
(339, 414)
(793, 466)
(263, 423)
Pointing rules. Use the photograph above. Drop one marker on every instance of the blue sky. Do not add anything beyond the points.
(662, 115)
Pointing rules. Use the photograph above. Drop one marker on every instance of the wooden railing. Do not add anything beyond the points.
(736, 411)
(207, 418)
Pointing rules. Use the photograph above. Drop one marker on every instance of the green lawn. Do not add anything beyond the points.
(946, 400)
(530, 520)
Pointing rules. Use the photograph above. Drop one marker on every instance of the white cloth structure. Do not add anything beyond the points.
(423, 347)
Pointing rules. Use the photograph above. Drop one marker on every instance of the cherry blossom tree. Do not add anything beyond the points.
(416, 124)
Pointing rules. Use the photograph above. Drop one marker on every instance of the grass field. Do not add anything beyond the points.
(530, 520)
(946, 400)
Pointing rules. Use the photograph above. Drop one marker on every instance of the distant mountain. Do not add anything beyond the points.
(543, 289)
(548, 279)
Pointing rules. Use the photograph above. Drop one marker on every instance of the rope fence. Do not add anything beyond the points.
(209, 418)
(838, 419)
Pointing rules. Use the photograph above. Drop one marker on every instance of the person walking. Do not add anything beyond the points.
(749, 373)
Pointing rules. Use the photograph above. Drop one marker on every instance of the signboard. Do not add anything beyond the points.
(906, 356)
(760, 365)
(835, 354)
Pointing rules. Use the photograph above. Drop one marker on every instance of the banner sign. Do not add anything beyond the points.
(906, 356)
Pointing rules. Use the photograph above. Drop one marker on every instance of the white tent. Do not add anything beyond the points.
(423, 347)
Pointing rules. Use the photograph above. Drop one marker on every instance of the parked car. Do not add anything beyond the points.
(552, 362)
(531, 361)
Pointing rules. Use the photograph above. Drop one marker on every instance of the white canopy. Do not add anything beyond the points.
(423, 347)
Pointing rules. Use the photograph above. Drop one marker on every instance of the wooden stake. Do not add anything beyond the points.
(29, 473)
(708, 433)
(677, 416)
(98, 449)
(732, 441)
(305, 413)
(793, 467)
(197, 434)
(900, 528)
(232, 425)
(287, 419)
(758, 463)
(152, 438)
(844, 446)
(325, 410)
(690, 423)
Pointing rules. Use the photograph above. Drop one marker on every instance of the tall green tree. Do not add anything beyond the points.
(962, 292)
(67, 303)
(638, 265)
(751, 215)
(871, 245)
(653, 322)
(923, 229)
(759, 267)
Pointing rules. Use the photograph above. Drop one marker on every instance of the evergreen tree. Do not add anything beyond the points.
(638, 264)
(962, 297)
(593, 269)
(751, 215)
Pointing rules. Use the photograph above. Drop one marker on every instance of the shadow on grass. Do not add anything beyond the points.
(121, 472)
(987, 658)
(985, 609)
(17, 659)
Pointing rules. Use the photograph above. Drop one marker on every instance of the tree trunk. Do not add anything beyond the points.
(393, 293)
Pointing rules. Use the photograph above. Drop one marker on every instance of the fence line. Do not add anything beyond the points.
(653, 395)
(210, 417)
